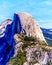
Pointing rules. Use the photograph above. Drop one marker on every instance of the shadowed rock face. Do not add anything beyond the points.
(7, 30)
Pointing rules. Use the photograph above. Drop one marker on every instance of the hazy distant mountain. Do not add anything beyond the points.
(48, 35)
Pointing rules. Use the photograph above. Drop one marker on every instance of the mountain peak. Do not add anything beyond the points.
(30, 27)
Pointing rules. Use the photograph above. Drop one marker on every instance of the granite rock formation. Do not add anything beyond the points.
(30, 26)
(30, 52)
(30, 46)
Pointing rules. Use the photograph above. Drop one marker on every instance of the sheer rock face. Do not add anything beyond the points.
(30, 26)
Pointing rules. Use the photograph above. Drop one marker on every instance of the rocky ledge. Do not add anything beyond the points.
(30, 51)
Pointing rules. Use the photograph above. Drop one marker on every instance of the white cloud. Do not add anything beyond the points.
(45, 20)
(47, 2)
(3, 17)
(45, 23)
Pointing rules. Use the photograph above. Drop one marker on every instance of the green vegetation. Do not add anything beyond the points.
(26, 38)
(19, 59)
(49, 63)
(27, 41)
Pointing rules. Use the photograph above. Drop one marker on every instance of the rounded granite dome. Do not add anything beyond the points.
(30, 26)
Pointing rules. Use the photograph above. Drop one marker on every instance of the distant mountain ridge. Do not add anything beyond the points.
(48, 35)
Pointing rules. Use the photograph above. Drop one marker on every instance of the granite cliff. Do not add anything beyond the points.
(30, 46)
(30, 26)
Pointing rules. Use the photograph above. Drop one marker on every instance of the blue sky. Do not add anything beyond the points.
(41, 10)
